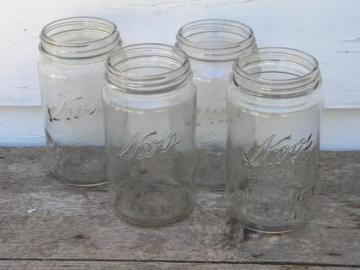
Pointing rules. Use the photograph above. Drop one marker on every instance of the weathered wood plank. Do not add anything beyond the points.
(41, 218)
(95, 265)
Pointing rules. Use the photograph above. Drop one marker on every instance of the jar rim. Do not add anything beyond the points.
(226, 51)
(93, 47)
(297, 85)
(154, 82)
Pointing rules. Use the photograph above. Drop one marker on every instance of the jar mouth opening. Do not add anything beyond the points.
(277, 71)
(215, 39)
(79, 37)
(147, 67)
(198, 34)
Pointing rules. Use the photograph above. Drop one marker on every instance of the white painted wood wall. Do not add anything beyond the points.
(328, 29)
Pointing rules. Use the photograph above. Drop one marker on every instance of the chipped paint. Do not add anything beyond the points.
(353, 40)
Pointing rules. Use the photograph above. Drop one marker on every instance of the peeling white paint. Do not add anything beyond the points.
(325, 29)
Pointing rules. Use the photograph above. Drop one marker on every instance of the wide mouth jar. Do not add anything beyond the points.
(147, 68)
(275, 72)
(79, 37)
(215, 39)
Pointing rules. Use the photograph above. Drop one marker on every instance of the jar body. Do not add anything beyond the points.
(273, 147)
(150, 153)
(212, 46)
(72, 62)
(71, 97)
(212, 81)
(150, 114)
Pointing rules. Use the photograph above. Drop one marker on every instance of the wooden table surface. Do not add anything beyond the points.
(46, 225)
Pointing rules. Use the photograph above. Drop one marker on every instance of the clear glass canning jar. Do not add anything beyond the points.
(73, 53)
(212, 46)
(274, 110)
(150, 113)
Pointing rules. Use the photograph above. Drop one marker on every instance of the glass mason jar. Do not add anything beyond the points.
(73, 53)
(150, 113)
(212, 46)
(274, 110)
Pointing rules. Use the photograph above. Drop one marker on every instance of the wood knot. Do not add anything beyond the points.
(79, 237)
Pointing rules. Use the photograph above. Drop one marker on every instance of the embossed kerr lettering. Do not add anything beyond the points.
(72, 108)
(272, 150)
(145, 146)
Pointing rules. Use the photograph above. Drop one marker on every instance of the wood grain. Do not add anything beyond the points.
(327, 29)
(42, 219)
(91, 265)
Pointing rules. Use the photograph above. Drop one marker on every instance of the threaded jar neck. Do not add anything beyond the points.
(79, 37)
(147, 68)
(277, 73)
(215, 40)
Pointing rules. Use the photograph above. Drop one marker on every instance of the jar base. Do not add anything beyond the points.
(141, 223)
(270, 229)
(153, 204)
(71, 182)
(82, 166)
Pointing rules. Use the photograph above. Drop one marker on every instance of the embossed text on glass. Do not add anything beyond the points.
(72, 108)
(145, 146)
(274, 150)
